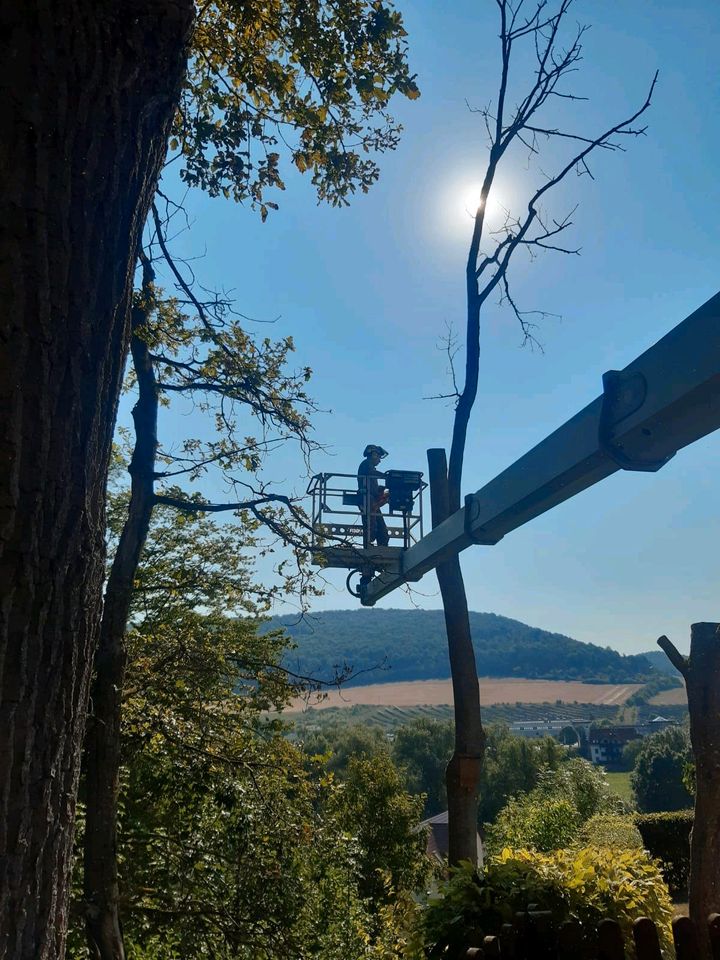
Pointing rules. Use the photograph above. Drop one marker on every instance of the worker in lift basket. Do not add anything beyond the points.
(372, 496)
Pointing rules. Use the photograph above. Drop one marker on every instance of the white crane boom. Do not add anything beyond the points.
(664, 400)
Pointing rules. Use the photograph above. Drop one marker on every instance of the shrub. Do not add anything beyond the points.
(584, 785)
(549, 817)
(666, 836)
(611, 830)
(630, 753)
(534, 822)
(586, 885)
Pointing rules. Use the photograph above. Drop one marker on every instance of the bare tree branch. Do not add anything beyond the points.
(540, 26)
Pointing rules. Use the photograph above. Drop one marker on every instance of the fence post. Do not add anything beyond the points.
(646, 939)
(491, 947)
(687, 946)
(714, 931)
(508, 941)
(610, 941)
(569, 941)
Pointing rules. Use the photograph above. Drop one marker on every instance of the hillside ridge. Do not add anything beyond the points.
(390, 645)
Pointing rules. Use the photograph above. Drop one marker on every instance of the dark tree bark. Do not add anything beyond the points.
(102, 738)
(701, 671)
(88, 89)
(463, 771)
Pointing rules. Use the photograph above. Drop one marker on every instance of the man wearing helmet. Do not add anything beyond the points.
(372, 496)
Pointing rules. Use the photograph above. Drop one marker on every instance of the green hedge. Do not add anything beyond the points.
(585, 884)
(667, 837)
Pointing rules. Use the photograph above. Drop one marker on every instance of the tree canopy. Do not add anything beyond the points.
(231, 843)
(513, 765)
(422, 748)
(309, 81)
(661, 770)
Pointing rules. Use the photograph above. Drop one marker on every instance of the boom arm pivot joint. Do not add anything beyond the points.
(624, 392)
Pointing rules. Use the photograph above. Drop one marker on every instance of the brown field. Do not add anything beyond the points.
(670, 697)
(492, 690)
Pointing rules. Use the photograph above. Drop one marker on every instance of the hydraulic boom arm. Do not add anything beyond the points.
(664, 400)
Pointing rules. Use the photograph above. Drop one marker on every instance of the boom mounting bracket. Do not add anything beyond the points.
(624, 392)
(475, 533)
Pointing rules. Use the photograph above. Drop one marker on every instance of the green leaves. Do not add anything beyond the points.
(373, 804)
(314, 79)
(540, 824)
(667, 837)
(584, 884)
(229, 845)
(611, 830)
(660, 778)
(550, 816)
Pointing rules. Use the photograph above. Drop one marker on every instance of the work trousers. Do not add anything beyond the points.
(374, 529)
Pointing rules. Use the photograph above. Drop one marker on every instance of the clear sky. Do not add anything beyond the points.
(367, 291)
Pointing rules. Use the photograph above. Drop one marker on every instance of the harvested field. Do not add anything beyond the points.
(492, 690)
(674, 696)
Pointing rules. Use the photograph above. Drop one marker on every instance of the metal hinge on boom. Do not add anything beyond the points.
(624, 392)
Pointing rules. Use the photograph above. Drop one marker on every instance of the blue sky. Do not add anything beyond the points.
(367, 291)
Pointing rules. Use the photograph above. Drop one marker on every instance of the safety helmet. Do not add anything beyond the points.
(374, 448)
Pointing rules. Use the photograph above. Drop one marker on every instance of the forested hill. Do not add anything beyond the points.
(412, 646)
(659, 660)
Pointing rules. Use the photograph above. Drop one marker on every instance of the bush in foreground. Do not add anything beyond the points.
(583, 884)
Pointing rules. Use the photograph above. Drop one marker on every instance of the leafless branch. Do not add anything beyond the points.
(505, 249)
(527, 326)
(449, 344)
(485, 272)
(201, 312)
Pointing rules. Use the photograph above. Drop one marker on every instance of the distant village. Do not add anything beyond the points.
(601, 743)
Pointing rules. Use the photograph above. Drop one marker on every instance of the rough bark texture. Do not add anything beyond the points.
(463, 771)
(102, 739)
(88, 88)
(701, 671)
(703, 688)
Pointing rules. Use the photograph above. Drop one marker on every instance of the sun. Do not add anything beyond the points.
(470, 199)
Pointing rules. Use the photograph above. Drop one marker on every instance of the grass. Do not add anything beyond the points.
(620, 783)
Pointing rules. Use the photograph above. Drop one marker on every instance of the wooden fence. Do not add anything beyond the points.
(533, 937)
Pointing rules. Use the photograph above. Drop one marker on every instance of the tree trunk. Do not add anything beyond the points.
(89, 89)
(463, 771)
(703, 689)
(102, 739)
(701, 671)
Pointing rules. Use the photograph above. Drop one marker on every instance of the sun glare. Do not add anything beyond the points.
(458, 202)
(470, 200)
